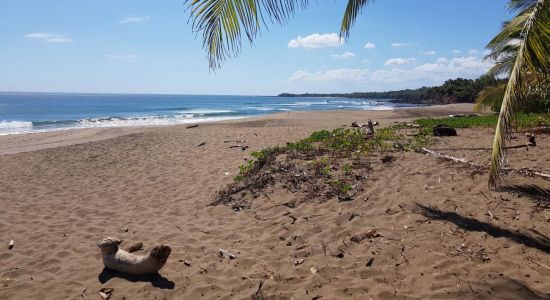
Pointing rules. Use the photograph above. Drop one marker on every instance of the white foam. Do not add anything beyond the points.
(260, 108)
(379, 107)
(207, 111)
(147, 121)
(303, 103)
(15, 127)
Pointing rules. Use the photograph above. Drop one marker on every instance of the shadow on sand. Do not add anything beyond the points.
(503, 288)
(156, 280)
(539, 195)
(531, 238)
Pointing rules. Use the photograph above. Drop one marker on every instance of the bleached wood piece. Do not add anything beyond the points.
(522, 171)
(120, 260)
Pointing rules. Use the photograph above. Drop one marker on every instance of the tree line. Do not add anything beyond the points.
(457, 90)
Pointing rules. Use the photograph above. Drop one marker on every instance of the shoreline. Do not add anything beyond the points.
(24, 142)
(443, 234)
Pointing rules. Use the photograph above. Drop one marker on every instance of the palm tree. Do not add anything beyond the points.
(504, 50)
(521, 49)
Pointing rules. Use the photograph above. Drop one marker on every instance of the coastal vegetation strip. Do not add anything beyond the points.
(337, 163)
(452, 91)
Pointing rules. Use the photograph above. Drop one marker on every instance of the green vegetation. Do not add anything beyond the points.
(336, 163)
(353, 142)
(346, 169)
(452, 91)
(521, 121)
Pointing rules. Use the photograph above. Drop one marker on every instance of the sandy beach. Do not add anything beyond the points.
(62, 192)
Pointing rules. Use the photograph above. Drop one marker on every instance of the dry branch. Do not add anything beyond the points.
(451, 158)
(522, 171)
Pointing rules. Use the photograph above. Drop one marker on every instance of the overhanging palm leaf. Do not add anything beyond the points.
(532, 60)
(222, 22)
(490, 97)
(353, 9)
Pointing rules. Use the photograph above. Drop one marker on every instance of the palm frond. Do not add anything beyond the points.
(490, 97)
(520, 4)
(503, 60)
(222, 22)
(353, 9)
(532, 56)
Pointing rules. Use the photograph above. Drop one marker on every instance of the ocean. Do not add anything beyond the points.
(40, 112)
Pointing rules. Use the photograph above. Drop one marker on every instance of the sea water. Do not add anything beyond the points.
(40, 112)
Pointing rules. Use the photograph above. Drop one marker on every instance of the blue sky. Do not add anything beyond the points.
(147, 46)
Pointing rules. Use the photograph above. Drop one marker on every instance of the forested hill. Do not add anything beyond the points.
(452, 91)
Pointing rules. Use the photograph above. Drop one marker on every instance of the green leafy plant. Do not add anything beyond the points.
(347, 170)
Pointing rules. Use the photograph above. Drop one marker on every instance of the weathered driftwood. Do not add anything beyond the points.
(120, 260)
(451, 158)
(368, 127)
(227, 254)
(522, 171)
(528, 172)
(105, 293)
(135, 247)
(243, 147)
(365, 235)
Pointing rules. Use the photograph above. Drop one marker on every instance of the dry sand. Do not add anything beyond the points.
(62, 192)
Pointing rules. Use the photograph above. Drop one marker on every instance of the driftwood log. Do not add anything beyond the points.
(120, 260)
(367, 128)
(522, 171)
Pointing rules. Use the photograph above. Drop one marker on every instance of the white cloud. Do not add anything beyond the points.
(456, 51)
(473, 52)
(366, 61)
(122, 56)
(38, 35)
(344, 55)
(316, 41)
(400, 45)
(487, 52)
(441, 60)
(134, 19)
(399, 75)
(429, 52)
(399, 61)
(469, 67)
(45, 37)
(331, 75)
(370, 46)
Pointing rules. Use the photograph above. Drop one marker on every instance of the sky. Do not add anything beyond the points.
(148, 46)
